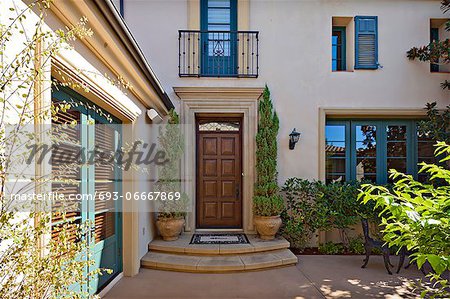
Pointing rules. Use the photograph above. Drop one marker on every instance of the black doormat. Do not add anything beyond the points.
(219, 239)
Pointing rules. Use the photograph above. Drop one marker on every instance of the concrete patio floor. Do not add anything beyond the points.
(313, 277)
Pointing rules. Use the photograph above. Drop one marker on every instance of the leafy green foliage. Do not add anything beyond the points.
(416, 216)
(171, 142)
(437, 123)
(356, 245)
(313, 205)
(268, 206)
(49, 270)
(302, 216)
(331, 248)
(266, 200)
(437, 52)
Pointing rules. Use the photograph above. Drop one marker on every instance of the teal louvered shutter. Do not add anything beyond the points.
(366, 42)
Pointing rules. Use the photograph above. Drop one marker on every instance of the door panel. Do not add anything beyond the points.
(219, 202)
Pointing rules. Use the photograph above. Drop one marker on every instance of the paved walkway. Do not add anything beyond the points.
(313, 277)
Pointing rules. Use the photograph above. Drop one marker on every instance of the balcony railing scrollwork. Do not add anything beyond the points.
(218, 53)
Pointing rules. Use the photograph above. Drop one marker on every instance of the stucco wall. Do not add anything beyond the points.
(295, 62)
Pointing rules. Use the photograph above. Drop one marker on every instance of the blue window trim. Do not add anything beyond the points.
(343, 48)
(381, 155)
(357, 32)
(121, 8)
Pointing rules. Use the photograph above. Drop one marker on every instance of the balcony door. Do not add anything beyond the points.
(219, 38)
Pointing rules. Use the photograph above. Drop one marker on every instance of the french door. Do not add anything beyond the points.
(96, 130)
(379, 146)
(368, 149)
(219, 38)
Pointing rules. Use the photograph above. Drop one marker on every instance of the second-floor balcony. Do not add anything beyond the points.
(218, 53)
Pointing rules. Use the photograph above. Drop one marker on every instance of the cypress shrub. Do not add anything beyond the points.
(267, 200)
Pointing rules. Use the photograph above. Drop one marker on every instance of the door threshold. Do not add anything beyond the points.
(217, 230)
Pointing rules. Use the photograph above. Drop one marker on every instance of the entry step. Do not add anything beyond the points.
(219, 263)
(182, 246)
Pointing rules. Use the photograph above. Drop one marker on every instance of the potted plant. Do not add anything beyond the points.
(172, 211)
(170, 222)
(267, 202)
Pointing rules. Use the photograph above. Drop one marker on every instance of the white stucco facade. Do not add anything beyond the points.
(295, 62)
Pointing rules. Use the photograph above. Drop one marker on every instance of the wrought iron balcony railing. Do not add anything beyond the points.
(218, 53)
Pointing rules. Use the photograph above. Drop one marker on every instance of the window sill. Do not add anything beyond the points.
(439, 72)
(343, 71)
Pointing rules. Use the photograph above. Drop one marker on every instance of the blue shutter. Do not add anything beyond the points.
(366, 42)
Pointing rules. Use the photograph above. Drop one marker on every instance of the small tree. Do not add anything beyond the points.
(171, 142)
(267, 201)
(416, 216)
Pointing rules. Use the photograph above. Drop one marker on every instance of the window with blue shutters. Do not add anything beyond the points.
(366, 42)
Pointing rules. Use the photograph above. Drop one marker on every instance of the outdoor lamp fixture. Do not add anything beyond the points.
(154, 116)
(293, 138)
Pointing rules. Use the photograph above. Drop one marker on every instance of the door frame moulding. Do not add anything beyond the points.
(226, 100)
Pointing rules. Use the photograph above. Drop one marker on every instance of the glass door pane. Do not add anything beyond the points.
(396, 149)
(336, 153)
(425, 153)
(366, 152)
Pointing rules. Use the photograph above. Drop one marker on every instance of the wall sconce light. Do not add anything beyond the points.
(154, 116)
(293, 138)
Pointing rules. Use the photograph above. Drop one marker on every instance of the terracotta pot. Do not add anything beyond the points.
(267, 226)
(170, 228)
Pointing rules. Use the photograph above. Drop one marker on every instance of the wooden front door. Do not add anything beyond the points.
(219, 174)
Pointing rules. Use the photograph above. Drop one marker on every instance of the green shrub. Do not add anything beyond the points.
(268, 206)
(356, 245)
(342, 202)
(331, 248)
(312, 206)
(302, 216)
(296, 232)
(416, 216)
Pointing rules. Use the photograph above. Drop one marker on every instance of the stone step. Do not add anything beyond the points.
(218, 263)
(182, 246)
